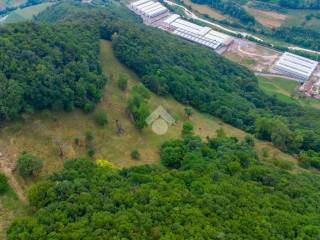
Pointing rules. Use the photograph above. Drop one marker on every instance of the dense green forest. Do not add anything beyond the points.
(213, 190)
(48, 66)
(309, 38)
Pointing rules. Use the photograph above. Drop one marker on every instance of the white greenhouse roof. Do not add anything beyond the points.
(151, 9)
(197, 39)
(219, 37)
(156, 11)
(296, 64)
(171, 19)
(137, 3)
(190, 27)
(145, 5)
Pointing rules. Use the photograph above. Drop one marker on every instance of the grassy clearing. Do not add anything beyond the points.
(10, 207)
(43, 132)
(246, 61)
(267, 18)
(11, 3)
(25, 14)
(298, 18)
(286, 91)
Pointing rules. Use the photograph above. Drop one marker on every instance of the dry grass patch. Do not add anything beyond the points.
(267, 18)
(204, 9)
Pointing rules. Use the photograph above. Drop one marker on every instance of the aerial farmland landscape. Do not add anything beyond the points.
(158, 120)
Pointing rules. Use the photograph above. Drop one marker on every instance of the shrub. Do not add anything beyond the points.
(187, 128)
(249, 140)
(88, 107)
(101, 117)
(123, 82)
(286, 165)
(91, 152)
(104, 163)
(265, 152)
(141, 90)
(4, 186)
(135, 154)
(28, 165)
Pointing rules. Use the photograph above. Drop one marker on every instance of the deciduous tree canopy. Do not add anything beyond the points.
(220, 190)
(48, 66)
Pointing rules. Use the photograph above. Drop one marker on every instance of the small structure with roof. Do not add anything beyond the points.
(159, 119)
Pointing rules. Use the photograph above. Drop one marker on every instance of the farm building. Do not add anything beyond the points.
(196, 33)
(150, 11)
(295, 66)
(158, 15)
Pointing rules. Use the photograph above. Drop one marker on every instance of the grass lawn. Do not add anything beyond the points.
(286, 91)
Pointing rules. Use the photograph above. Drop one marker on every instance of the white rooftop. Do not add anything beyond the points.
(156, 11)
(190, 27)
(145, 5)
(297, 64)
(219, 37)
(137, 3)
(171, 18)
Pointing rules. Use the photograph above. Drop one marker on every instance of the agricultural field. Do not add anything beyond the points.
(204, 9)
(267, 18)
(25, 14)
(286, 91)
(11, 3)
(300, 18)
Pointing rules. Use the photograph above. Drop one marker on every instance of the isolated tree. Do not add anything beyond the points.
(3, 183)
(28, 165)
(122, 82)
(249, 140)
(101, 117)
(135, 154)
(138, 109)
(188, 111)
(187, 128)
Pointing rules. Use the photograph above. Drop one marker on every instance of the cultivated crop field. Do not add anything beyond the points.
(26, 13)
(267, 18)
